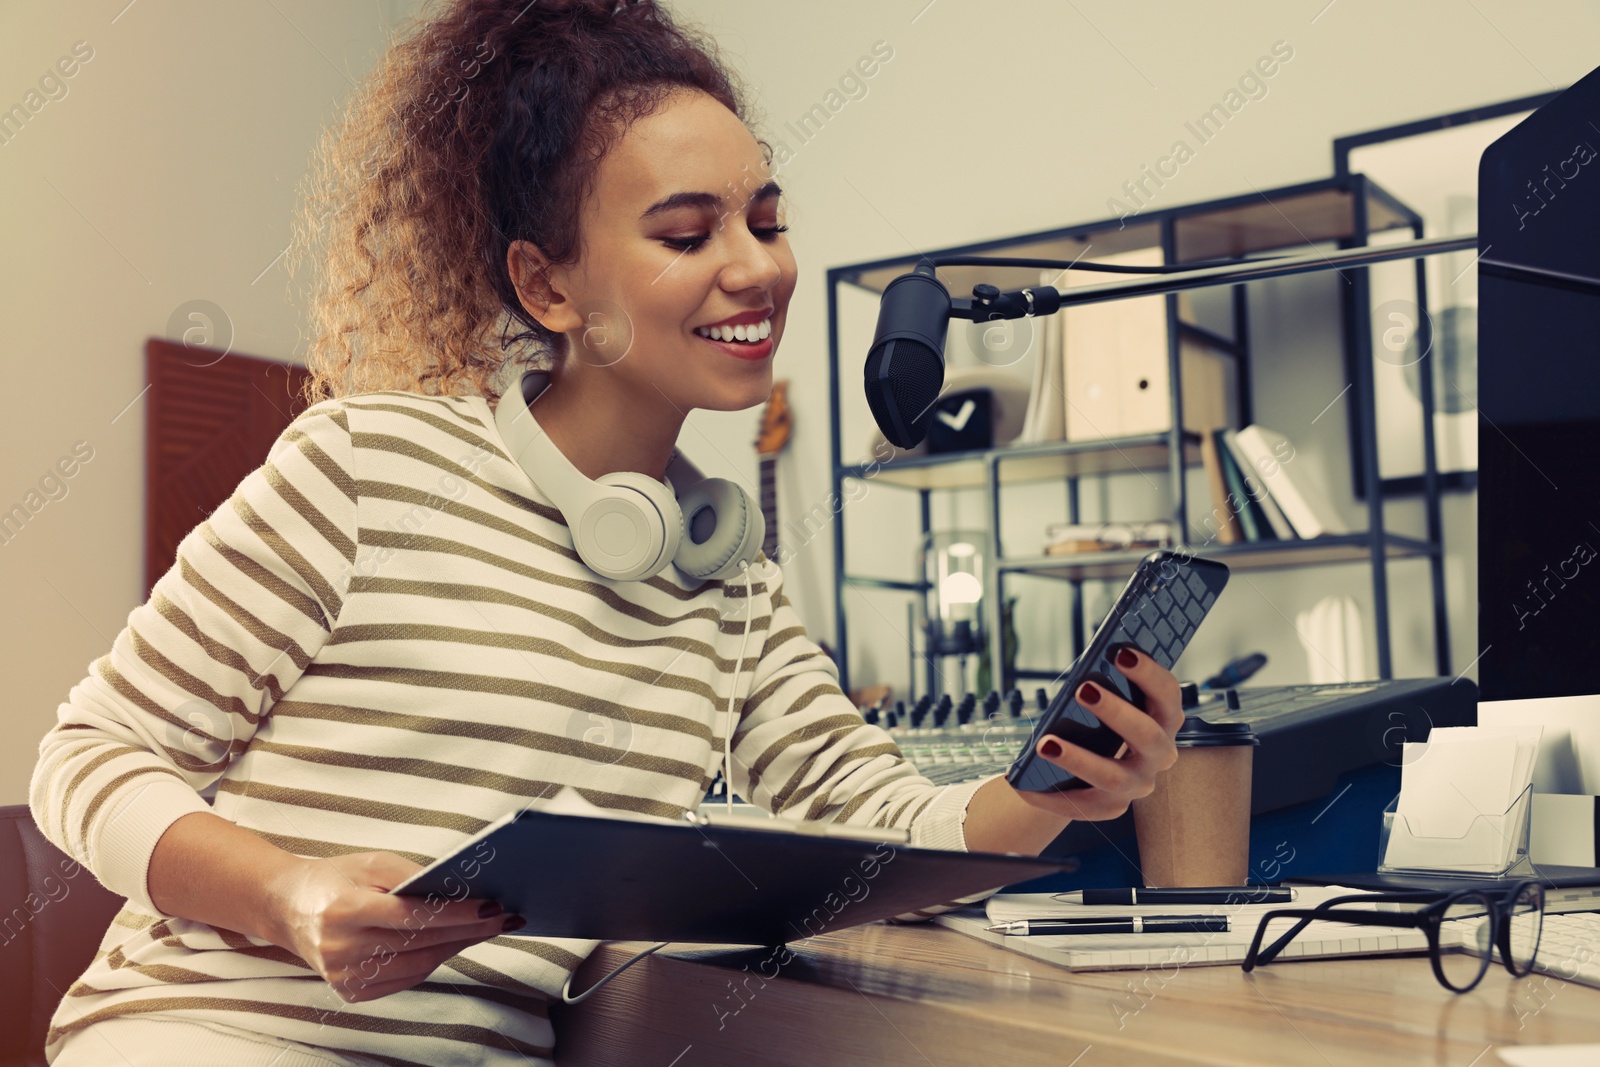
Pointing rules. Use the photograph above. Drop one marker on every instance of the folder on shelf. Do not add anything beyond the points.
(1046, 415)
(1116, 368)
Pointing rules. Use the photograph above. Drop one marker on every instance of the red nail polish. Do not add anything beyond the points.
(1050, 747)
(516, 922)
(1089, 693)
(1126, 658)
(489, 909)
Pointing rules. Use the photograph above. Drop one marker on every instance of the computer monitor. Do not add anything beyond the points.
(1539, 403)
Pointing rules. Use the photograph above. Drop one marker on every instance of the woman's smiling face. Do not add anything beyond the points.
(681, 231)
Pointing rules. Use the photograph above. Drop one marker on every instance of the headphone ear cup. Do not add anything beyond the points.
(731, 527)
(631, 531)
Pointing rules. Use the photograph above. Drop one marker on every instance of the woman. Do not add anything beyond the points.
(386, 639)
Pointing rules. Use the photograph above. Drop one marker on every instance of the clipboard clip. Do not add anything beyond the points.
(761, 820)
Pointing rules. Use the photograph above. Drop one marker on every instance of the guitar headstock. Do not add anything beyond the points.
(776, 421)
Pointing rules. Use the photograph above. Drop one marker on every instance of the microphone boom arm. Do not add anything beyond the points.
(989, 303)
(904, 370)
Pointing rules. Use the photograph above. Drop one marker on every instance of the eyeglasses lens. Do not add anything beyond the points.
(1527, 920)
(1472, 914)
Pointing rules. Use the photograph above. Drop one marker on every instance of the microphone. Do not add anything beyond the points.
(905, 365)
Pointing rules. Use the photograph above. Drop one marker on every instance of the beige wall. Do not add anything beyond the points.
(166, 172)
(164, 175)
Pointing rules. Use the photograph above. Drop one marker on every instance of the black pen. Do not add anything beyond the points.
(1137, 924)
(1242, 894)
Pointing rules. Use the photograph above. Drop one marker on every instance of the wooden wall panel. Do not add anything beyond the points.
(212, 417)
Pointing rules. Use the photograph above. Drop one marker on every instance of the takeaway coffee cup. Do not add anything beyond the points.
(1194, 830)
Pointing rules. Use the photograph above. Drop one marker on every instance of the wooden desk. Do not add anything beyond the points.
(922, 995)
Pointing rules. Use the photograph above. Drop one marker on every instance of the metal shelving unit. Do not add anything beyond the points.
(1345, 209)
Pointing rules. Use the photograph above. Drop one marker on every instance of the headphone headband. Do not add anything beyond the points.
(626, 525)
(531, 447)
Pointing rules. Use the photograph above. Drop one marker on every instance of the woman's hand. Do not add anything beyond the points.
(338, 916)
(1003, 819)
(1149, 735)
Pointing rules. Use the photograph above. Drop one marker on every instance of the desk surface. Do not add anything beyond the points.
(920, 994)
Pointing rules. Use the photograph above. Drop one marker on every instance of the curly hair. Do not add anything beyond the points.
(483, 124)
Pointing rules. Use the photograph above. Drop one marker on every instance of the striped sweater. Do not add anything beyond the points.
(384, 639)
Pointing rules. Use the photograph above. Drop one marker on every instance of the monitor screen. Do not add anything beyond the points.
(1539, 403)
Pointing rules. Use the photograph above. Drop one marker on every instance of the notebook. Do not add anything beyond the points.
(1108, 952)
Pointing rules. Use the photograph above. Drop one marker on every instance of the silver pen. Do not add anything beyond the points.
(1134, 924)
(1244, 894)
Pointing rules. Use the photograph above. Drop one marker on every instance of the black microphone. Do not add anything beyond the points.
(905, 365)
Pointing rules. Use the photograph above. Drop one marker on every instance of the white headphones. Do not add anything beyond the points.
(626, 525)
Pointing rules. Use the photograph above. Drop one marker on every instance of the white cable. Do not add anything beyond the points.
(567, 985)
(727, 740)
(727, 778)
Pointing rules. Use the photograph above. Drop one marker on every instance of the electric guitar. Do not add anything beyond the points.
(776, 425)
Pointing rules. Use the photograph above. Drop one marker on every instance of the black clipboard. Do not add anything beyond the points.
(619, 880)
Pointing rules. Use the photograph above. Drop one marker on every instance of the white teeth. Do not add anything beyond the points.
(750, 334)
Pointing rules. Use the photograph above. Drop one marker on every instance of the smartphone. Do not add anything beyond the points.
(1158, 612)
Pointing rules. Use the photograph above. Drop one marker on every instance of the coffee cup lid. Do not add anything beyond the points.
(1197, 733)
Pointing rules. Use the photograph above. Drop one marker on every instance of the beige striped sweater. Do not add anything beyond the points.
(385, 640)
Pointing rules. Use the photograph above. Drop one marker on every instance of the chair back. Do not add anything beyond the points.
(53, 914)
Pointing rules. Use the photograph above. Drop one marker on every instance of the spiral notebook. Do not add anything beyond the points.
(1107, 952)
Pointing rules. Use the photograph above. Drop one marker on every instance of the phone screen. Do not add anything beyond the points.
(1158, 612)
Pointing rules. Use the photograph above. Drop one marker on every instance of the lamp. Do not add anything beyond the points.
(952, 566)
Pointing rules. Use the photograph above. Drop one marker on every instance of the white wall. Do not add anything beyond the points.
(1001, 119)
(166, 174)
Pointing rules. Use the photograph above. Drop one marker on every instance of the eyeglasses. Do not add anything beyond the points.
(1509, 920)
(1128, 534)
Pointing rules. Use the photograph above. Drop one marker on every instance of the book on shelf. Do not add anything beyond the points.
(1223, 522)
(1251, 522)
(1305, 503)
(1260, 497)
(1270, 498)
